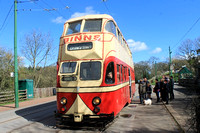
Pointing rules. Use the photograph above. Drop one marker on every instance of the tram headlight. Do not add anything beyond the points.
(63, 101)
(96, 101)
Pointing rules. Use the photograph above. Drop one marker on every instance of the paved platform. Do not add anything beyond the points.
(31, 102)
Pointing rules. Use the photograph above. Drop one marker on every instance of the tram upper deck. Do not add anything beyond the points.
(91, 37)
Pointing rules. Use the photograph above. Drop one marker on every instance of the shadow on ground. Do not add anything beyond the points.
(43, 113)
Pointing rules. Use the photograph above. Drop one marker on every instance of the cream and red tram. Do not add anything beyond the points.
(90, 47)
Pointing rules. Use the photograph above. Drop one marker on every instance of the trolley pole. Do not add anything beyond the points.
(170, 62)
(15, 55)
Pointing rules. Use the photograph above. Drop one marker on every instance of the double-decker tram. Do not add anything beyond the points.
(95, 71)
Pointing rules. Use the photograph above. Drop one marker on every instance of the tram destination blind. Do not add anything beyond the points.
(80, 46)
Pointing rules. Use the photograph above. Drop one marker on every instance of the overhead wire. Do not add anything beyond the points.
(191, 27)
(44, 8)
(6, 17)
(54, 8)
(104, 1)
(181, 39)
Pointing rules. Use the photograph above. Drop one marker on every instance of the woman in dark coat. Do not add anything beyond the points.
(157, 90)
(166, 90)
(162, 93)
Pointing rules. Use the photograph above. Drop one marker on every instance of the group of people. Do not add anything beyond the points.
(162, 88)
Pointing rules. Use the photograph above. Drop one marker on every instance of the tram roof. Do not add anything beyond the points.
(94, 16)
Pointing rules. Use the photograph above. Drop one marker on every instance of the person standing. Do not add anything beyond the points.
(149, 91)
(157, 90)
(146, 82)
(141, 91)
(171, 88)
(162, 94)
(166, 90)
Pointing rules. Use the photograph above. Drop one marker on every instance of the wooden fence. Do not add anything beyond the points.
(9, 96)
(44, 92)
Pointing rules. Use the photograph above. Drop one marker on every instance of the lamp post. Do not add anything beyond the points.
(170, 62)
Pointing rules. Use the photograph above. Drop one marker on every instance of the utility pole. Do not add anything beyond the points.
(15, 55)
(156, 69)
(170, 62)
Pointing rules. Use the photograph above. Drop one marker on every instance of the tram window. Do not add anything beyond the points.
(121, 73)
(124, 43)
(110, 73)
(124, 73)
(118, 73)
(90, 70)
(119, 37)
(74, 27)
(110, 27)
(92, 25)
(68, 67)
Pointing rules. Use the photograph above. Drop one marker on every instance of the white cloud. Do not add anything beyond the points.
(156, 50)
(136, 46)
(88, 10)
(59, 20)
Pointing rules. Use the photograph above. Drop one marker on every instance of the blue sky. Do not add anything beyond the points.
(149, 26)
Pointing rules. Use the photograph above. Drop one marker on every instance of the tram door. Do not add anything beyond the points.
(129, 74)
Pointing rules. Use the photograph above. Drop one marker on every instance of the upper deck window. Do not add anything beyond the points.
(68, 67)
(110, 27)
(90, 70)
(74, 27)
(92, 25)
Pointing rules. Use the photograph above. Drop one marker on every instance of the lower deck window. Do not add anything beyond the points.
(90, 70)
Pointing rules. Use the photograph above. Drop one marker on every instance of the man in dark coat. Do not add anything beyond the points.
(157, 90)
(146, 85)
(166, 90)
(142, 91)
(161, 89)
(171, 88)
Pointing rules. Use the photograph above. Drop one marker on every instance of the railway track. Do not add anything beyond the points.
(88, 126)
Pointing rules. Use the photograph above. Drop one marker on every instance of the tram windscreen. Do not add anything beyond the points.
(90, 70)
(74, 28)
(68, 67)
(92, 25)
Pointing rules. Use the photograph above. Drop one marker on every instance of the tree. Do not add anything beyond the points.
(36, 49)
(6, 67)
(152, 61)
(178, 63)
(187, 51)
(142, 70)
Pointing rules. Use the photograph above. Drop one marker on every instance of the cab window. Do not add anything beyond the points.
(74, 27)
(110, 27)
(68, 67)
(92, 25)
(90, 70)
(109, 79)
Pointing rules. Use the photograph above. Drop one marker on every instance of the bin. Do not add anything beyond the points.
(27, 84)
